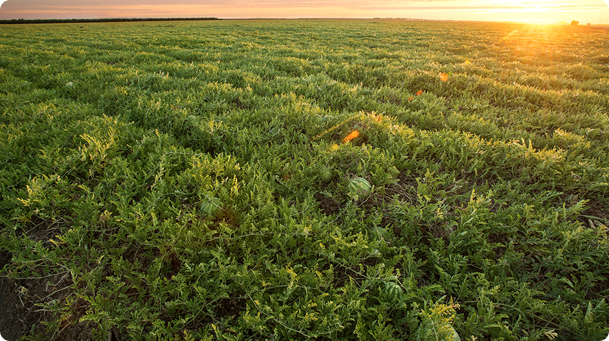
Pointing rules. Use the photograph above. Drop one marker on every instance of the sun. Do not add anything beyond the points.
(510, 2)
(525, 11)
(518, 5)
(526, 3)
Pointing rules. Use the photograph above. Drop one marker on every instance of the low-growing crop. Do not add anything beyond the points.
(291, 180)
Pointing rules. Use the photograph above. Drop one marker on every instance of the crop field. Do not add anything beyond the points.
(292, 180)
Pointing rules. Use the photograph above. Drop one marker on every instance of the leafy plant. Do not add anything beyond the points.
(294, 180)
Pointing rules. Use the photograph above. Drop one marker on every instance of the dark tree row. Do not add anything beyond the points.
(63, 21)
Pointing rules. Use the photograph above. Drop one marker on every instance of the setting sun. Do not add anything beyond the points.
(550, 11)
(511, 2)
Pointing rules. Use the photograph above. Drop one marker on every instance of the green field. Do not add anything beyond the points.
(192, 180)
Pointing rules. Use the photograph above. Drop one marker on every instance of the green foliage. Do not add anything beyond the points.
(437, 324)
(191, 181)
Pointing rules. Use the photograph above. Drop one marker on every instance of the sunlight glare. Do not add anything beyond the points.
(510, 2)
(522, 6)
(351, 136)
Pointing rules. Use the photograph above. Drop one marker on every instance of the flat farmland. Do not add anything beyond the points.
(301, 179)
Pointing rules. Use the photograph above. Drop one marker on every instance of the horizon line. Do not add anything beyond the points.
(212, 18)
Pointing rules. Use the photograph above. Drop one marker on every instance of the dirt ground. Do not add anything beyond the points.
(20, 314)
(16, 315)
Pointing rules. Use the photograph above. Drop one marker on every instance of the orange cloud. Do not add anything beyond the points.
(430, 9)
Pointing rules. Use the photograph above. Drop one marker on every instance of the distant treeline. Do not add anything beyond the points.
(63, 21)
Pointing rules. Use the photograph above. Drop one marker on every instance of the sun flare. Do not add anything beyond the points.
(523, 5)
(514, 2)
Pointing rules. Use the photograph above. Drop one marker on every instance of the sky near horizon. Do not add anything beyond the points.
(531, 11)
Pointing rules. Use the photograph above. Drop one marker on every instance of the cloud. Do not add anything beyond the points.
(285, 8)
(143, 8)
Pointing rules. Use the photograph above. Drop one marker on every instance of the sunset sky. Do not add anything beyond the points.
(539, 11)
